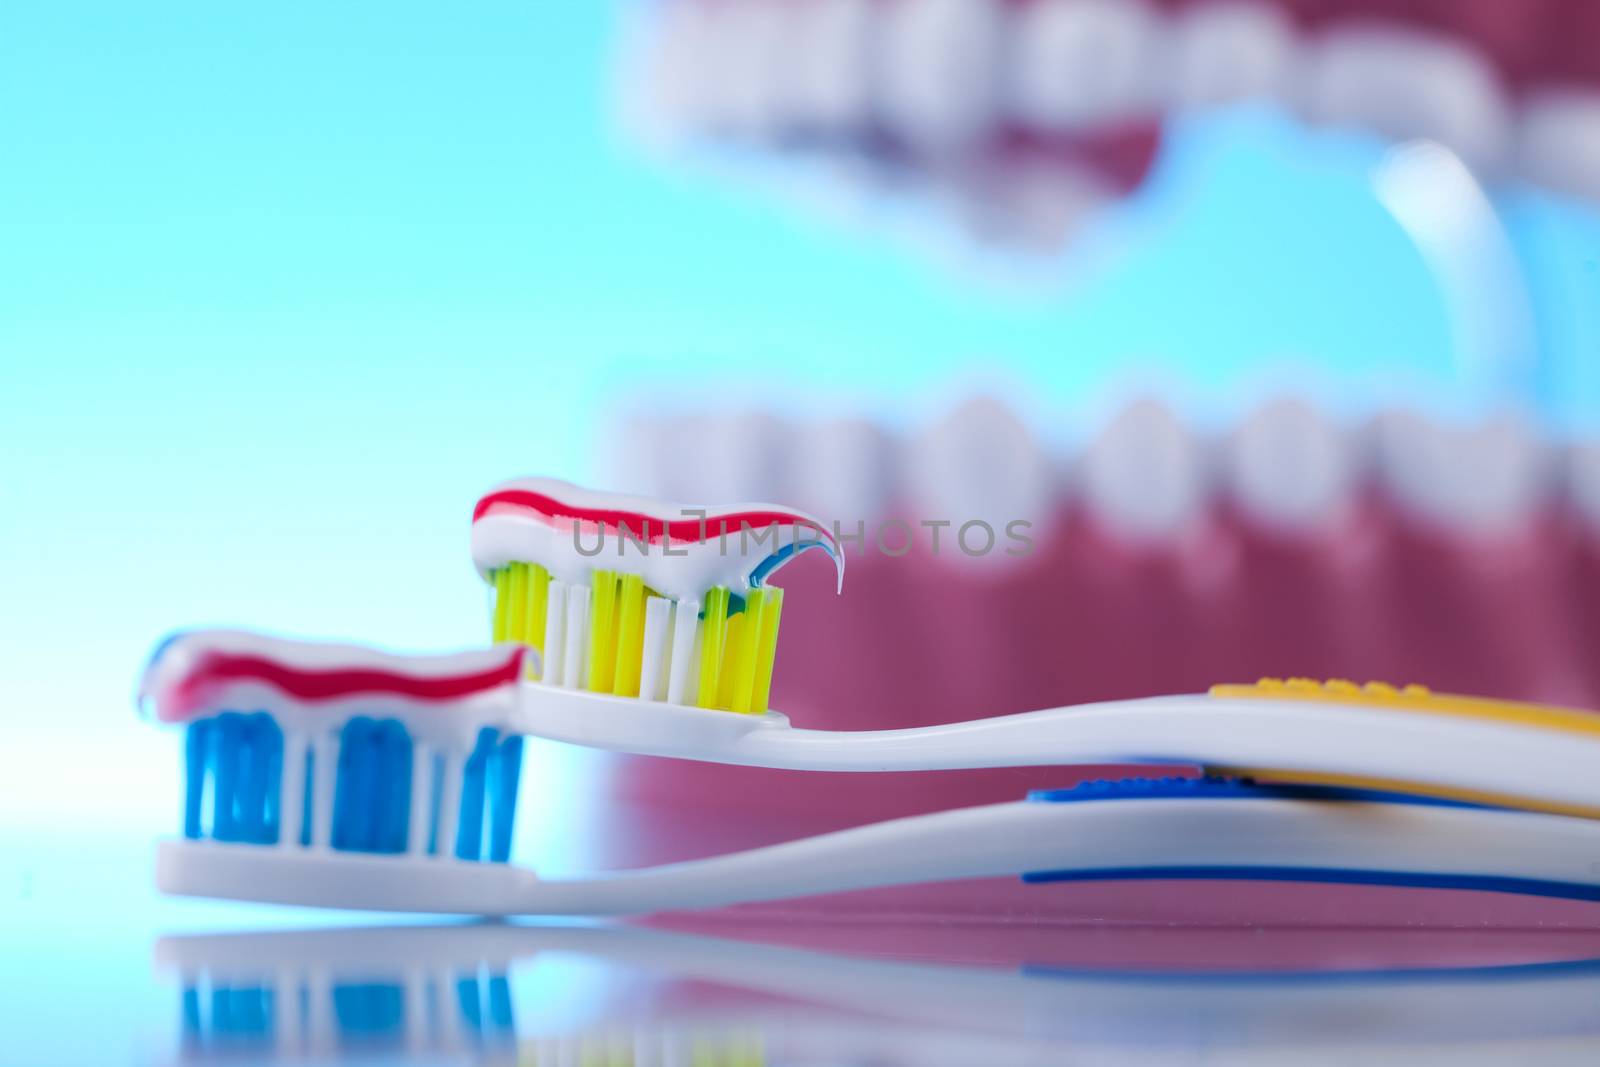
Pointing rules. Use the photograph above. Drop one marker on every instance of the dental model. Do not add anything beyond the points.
(366, 779)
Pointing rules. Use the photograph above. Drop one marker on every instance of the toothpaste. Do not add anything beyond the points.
(680, 551)
(199, 673)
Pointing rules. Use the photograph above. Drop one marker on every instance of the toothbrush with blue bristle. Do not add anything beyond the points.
(342, 776)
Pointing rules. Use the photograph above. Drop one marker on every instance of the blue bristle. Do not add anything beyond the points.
(396, 786)
(507, 770)
(250, 1011)
(225, 776)
(369, 1010)
(272, 804)
(269, 757)
(437, 794)
(221, 1017)
(467, 997)
(372, 792)
(196, 745)
(191, 1012)
(254, 768)
(350, 803)
(305, 798)
(500, 1017)
(240, 1015)
(469, 832)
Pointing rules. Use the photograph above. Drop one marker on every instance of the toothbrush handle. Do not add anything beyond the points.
(1293, 840)
(1490, 760)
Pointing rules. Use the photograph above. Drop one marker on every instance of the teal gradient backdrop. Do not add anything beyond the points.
(282, 287)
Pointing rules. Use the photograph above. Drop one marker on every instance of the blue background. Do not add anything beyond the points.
(283, 287)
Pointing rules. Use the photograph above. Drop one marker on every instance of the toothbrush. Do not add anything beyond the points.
(371, 780)
(653, 619)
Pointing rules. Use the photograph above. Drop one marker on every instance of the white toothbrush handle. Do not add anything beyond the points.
(1114, 835)
(1280, 838)
(1446, 752)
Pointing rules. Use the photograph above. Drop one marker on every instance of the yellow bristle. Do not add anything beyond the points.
(630, 636)
(766, 650)
(502, 603)
(732, 652)
(713, 630)
(517, 603)
(744, 666)
(538, 604)
(602, 631)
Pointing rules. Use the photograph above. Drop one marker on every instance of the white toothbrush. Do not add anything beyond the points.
(1166, 829)
(365, 779)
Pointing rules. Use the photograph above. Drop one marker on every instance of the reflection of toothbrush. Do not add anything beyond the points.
(449, 988)
(371, 780)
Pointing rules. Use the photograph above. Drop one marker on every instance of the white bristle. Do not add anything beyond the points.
(326, 771)
(555, 633)
(449, 802)
(657, 637)
(287, 1022)
(680, 680)
(577, 636)
(292, 791)
(421, 798)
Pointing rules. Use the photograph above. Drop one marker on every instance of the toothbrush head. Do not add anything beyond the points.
(638, 598)
(309, 745)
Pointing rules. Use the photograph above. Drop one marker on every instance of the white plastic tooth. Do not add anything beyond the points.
(1226, 52)
(750, 57)
(1583, 482)
(739, 456)
(1558, 142)
(1478, 481)
(1083, 63)
(671, 100)
(555, 633)
(657, 648)
(1034, 206)
(1406, 85)
(577, 636)
(825, 71)
(937, 69)
(978, 464)
(841, 470)
(1290, 467)
(632, 455)
(681, 678)
(1143, 477)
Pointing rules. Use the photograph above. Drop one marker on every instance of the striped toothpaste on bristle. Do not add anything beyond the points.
(638, 597)
(305, 745)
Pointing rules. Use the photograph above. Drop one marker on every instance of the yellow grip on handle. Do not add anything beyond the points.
(1416, 698)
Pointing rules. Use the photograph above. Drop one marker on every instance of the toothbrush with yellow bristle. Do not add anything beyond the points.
(648, 622)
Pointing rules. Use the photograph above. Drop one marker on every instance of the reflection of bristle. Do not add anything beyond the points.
(648, 1047)
(618, 636)
(316, 1012)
